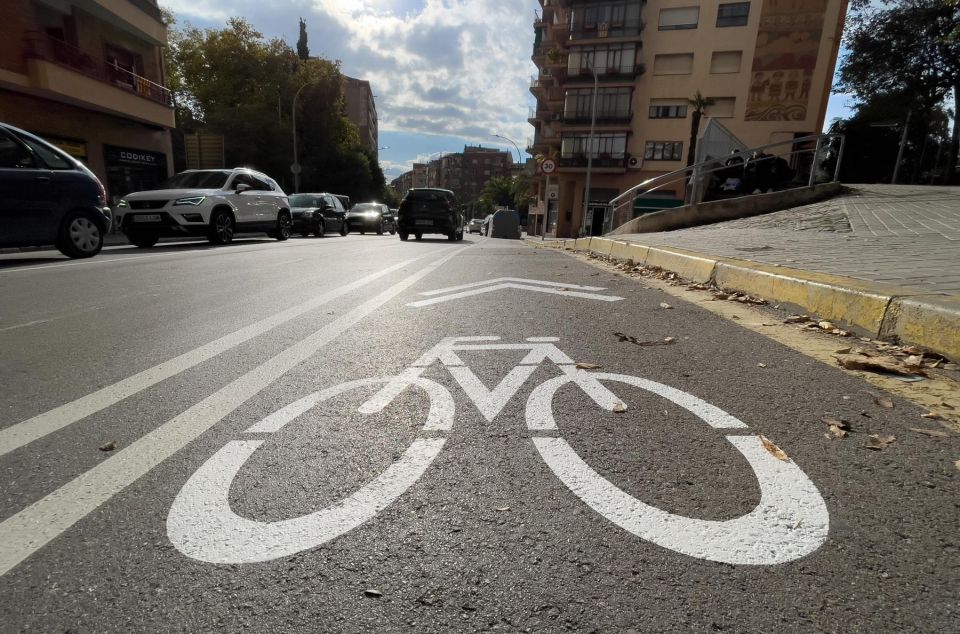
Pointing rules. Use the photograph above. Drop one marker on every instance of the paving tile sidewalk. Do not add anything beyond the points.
(893, 234)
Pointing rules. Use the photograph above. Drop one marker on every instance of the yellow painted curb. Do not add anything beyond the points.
(926, 319)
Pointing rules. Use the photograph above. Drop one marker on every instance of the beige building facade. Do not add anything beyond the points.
(87, 75)
(766, 66)
(361, 109)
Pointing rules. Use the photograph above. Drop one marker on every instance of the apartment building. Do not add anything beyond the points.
(87, 75)
(361, 109)
(464, 173)
(766, 66)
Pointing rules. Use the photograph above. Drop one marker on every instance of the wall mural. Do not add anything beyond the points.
(787, 45)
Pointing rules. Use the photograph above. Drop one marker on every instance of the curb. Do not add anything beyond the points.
(923, 318)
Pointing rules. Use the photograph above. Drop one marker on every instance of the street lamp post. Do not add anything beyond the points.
(295, 168)
(593, 124)
(515, 146)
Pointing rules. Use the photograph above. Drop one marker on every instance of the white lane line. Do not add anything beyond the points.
(23, 534)
(48, 422)
(37, 322)
(511, 279)
(79, 262)
(29, 323)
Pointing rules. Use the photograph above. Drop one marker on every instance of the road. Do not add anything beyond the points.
(358, 434)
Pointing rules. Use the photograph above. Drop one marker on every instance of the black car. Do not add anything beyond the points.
(373, 217)
(317, 214)
(49, 197)
(426, 210)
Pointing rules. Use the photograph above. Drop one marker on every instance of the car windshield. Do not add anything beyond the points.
(196, 180)
(365, 208)
(304, 200)
(426, 194)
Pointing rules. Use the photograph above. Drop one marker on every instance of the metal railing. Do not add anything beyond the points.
(810, 160)
(50, 49)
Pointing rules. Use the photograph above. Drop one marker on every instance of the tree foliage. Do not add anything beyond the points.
(907, 47)
(303, 51)
(506, 191)
(233, 81)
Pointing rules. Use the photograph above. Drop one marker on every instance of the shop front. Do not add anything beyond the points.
(132, 170)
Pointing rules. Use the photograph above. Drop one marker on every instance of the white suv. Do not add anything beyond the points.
(212, 203)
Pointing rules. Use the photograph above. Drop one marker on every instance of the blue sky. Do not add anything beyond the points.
(446, 73)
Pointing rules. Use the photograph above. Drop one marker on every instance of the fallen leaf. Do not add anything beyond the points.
(372, 593)
(914, 361)
(669, 339)
(957, 465)
(826, 325)
(912, 350)
(587, 366)
(947, 405)
(843, 351)
(775, 451)
(837, 432)
(930, 432)
(882, 401)
(836, 422)
(666, 305)
(761, 365)
(619, 407)
(878, 443)
(796, 319)
(502, 508)
(110, 446)
(875, 364)
(735, 316)
(933, 416)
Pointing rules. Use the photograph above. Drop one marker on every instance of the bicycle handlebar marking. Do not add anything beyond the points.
(790, 521)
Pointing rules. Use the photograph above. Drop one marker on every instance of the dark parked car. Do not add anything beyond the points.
(317, 214)
(375, 217)
(48, 197)
(426, 210)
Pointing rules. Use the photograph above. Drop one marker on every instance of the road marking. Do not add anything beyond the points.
(25, 432)
(489, 286)
(33, 527)
(29, 323)
(791, 520)
(202, 525)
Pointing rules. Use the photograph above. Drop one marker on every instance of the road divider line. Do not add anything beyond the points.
(27, 431)
(23, 534)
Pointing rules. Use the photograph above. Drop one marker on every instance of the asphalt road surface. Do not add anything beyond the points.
(358, 434)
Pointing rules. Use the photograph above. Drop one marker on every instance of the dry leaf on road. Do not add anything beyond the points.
(619, 407)
(761, 365)
(838, 422)
(936, 433)
(110, 446)
(933, 416)
(826, 325)
(775, 451)
(837, 432)
(877, 442)
(666, 305)
(875, 364)
(587, 366)
(883, 401)
(796, 319)
(502, 508)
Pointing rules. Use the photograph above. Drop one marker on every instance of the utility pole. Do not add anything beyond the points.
(593, 125)
(903, 143)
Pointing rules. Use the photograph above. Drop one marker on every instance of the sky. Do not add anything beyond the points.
(445, 73)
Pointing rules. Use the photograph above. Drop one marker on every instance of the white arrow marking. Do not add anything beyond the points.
(523, 287)
(511, 279)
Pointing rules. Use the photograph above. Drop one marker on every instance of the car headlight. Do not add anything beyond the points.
(308, 213)
(122, 204)
(191, 200)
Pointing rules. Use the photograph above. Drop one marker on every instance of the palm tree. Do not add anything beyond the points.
(499, 191)
(699, 103)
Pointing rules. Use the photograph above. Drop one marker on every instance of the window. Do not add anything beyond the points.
(606, 145)
(733, 14)
(663, 151)
(726, 62)
(13, 155)
(612, 103)
(722, 107)
(52, 159)
(616, 19)
(668, 109)
(674, 64)
(680, 18)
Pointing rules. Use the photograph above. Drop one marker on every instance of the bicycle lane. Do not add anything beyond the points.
(489, 537)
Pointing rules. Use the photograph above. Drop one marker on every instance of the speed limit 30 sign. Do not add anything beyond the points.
(548, 166)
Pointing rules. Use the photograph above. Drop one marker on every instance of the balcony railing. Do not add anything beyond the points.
(602, 30)
(600, 160)
(49, 49)
(603, 118)
(607, 74)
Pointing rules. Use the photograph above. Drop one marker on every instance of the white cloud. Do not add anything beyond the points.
(446, 67)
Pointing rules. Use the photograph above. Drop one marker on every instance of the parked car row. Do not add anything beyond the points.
(48, 197)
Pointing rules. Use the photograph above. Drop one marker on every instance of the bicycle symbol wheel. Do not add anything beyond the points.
(790, 521)
(202, 525)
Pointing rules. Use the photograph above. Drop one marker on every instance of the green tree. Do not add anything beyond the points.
(498, 191)
(303, 51)
(909, 47)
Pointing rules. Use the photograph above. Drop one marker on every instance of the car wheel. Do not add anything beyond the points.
(393, 230)
(344, 230)
(418, 236)
(459, 235)
(452, 236)
(404, 236)
(143, 240)
(363, 231)
(321, 230)
(282, 232)
(221, 227)
(80, 236)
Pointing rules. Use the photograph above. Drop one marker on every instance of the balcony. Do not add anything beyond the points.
(601, 161)
(78, 76)
(603, 118)
(603, 30)
(610, 74)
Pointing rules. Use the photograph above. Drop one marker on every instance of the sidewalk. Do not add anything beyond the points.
(885, 258)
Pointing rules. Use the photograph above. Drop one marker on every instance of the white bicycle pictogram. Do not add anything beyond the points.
(790, 521)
